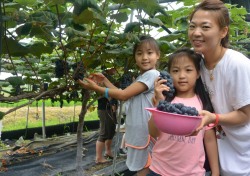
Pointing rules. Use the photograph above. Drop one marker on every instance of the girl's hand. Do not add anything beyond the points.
(207, 118)
(98, 78)
(159, 88)
(87, 83)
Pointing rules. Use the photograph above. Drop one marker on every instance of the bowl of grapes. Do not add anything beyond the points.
(175, 118)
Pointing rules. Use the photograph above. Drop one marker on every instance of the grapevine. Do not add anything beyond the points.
(61, 68)
(78, 71)
(126, 80)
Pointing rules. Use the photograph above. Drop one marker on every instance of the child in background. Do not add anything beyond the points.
(184, 155)
(139, 95)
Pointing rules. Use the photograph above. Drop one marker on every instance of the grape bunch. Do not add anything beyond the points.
(78, 71)
(177, 108)
(165, 75)
(126, 80)
(61, 68)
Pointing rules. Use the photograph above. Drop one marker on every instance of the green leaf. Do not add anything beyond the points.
(45, 77)
(24, 29)
(152, 22)
(54, 2)
(89, 16)
(15, 81)
(38, 48)
(14, 48)
(2, 114)
(44, 18)
(122, 1)
(85, 17)
(132, 27)
(81, 5)
(71, 32)
(27, 2)
(171, 37)
(120, 17)
(166, 46)
(76, 42)
(150, 7)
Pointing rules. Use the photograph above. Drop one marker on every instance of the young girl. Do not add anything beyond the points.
(139, 95)
(183, 155)
(226, 74)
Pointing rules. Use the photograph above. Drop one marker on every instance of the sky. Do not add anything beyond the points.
(4, 75)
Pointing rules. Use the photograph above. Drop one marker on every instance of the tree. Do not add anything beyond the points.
(46, 43)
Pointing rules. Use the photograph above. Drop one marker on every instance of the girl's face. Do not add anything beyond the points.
(146, 57)
(184, 76)
(204, 32)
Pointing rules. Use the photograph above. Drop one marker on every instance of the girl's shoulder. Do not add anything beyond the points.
(151, 72)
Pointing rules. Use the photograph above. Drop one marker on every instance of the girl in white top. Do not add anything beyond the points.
(139, 95)
(226, 74)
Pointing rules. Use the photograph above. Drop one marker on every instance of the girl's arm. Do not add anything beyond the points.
(234, 118)
(119, 94)
(153, 130)
(210, 143)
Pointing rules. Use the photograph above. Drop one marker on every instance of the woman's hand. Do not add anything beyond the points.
(207, 118)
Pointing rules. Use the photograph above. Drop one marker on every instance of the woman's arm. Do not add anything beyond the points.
(234, 118)
(210, 143)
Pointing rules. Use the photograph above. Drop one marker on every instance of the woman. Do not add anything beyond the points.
(226, 75)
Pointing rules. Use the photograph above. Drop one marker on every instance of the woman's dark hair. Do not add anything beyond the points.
(147, 40)
(199, 86)
(221, 12)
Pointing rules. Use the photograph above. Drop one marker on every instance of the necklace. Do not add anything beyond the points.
(211, 72)
(211, 75)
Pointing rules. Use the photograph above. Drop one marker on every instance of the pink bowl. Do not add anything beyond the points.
(174, 123)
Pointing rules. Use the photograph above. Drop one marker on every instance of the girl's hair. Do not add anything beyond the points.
(147, 40)
(199, 86)
(221, 13)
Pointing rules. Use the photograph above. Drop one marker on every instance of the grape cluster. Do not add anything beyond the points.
(61, 68)
(177, 108)
(78, 71)
(126, 80)
(165, 75)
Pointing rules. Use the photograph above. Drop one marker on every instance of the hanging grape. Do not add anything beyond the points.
(78, 71)
(61, 68)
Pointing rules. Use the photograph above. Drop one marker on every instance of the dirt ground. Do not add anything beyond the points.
(56, 156)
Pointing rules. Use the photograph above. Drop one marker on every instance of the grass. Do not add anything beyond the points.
(54, 115)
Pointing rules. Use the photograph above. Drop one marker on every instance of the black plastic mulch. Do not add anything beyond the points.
(61, 162)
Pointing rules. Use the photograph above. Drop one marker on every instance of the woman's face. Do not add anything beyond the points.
(204, 32)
